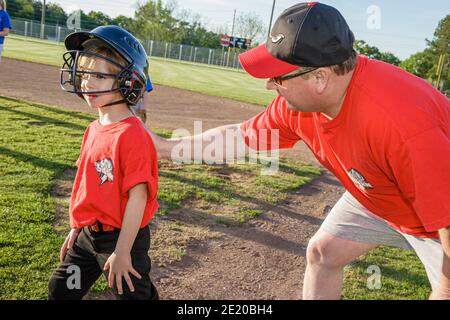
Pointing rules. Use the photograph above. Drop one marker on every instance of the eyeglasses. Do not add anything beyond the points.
(279, 80)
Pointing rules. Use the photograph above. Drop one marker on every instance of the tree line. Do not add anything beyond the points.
(160, 22)
(152, 20)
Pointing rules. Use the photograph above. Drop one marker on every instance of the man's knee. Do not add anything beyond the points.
(323, 251)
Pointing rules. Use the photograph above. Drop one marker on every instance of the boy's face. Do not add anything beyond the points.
(98, 82)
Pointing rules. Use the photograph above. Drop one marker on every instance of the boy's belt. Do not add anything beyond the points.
(98, 226)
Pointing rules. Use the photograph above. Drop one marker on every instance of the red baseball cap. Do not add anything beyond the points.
(308, 34)
(259, 63)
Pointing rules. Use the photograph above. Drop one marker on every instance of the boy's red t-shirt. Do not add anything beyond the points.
(113, 159)
(389, 146)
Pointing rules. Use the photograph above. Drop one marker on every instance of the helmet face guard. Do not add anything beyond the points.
(125, 81)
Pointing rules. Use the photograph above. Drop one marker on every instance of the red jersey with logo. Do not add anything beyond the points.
(389, 145)
(113, 159)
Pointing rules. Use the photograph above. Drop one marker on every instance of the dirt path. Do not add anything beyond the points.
(265, 258)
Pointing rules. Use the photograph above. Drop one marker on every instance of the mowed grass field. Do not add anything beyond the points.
(38, 148)
(211, 80)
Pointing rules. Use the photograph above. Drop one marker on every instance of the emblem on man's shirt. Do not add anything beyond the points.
(359, 179)
(105, 170)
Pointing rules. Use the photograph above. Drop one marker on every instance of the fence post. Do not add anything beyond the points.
(181, 50)
(209, 56)
(195, 54)
(223, 50)
(151, 48)
(224, 58)
(59, 34)
(165, 51)
(26, 28)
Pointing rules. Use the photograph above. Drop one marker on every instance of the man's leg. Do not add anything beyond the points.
(349, 231)
(431, 255)
(327, 256)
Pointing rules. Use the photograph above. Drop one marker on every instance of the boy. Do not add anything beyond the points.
(5, 25)
(115, 189)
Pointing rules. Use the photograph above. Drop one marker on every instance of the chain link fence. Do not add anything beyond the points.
(220, 57)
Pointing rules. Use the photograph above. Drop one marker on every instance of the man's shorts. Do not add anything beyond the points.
(350, 220)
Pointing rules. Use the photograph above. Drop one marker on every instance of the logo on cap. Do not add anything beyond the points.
(278, 38)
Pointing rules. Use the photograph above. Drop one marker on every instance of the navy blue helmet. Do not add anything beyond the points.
(132, 79)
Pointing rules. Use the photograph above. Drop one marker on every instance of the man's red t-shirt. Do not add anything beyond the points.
(389, 145)
(113, 159)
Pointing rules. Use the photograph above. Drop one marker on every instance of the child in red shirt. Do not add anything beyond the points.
(115, 189)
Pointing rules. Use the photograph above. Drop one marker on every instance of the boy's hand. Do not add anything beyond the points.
(68, 243)
(119, 266)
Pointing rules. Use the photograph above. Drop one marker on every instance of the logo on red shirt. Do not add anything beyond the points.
(359, 179)
(105, 170)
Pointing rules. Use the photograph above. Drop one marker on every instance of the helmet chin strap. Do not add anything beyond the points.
(114, 103)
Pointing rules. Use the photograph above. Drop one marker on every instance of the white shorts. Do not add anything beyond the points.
(350, 220)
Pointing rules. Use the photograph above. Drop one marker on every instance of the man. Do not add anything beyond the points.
(384, 133)
(5, 25)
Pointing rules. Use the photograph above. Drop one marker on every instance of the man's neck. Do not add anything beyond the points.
(332, 110)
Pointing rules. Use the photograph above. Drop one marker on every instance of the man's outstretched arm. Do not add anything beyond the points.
(223, 143)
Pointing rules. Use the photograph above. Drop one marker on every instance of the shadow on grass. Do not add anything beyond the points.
(397, 274)
(247, 199)
(45, 120)
(56, 110)
(39, 162)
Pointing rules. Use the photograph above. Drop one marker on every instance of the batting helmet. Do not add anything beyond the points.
(132, 80)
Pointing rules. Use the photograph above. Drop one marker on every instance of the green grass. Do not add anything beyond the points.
(39, 143)
(211, 80)
(403, 276)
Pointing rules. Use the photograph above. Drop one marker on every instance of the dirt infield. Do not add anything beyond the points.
(264, 259)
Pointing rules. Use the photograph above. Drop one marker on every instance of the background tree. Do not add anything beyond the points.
(123, 21)
(424, 64)
(419, 64)
(372, 52)
(154, 21)
(54, 14)
(21, 9)
(248, 25)
(94, 19)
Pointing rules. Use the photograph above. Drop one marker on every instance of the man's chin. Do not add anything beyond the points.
(292, 107)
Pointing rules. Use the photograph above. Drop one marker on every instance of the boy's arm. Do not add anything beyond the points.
(134, 211)
(119, 263)
(4, 33)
